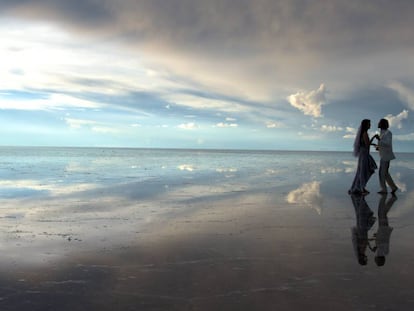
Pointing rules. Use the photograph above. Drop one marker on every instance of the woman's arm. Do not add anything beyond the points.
(372, 138)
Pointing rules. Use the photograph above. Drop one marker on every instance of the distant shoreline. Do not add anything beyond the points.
(174, 149)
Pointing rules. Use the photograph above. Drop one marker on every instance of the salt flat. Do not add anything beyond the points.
(194, 230)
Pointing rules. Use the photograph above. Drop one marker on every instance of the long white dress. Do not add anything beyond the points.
(366, 167)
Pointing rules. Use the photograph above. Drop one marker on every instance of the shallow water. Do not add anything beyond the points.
(141, 229)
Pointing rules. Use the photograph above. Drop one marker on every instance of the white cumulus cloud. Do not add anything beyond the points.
(310, 103)
(395, 121)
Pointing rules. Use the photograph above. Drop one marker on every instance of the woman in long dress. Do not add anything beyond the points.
(366, 163)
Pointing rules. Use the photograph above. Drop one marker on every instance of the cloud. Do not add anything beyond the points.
(251, 48)
(405, 137)
(94, 126)
(395, 121)
(307, 195)
(205, 103)
(351, 132)
(209, 59)
(221, 124)
(188, 126)
(44, 102)
(331, 128)
(309, 103)
(274, 124)
(406, 94)
(78, 123)
(105, 130)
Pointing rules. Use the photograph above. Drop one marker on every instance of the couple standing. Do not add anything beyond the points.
(366, 163)
(365, 220)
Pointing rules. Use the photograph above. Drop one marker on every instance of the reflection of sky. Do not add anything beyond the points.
(102, 197)
(140, 226)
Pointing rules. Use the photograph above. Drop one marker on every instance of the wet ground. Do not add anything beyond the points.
(253, 242)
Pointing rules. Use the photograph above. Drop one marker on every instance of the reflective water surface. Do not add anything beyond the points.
(131, 229)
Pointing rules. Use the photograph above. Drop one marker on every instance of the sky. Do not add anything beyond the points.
(217, 74)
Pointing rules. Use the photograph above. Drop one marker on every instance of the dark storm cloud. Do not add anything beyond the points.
(82, 13)
(260, 24)
(261, 45)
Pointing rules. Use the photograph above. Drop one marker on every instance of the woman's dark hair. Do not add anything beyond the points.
(365, 124)
(383, 124)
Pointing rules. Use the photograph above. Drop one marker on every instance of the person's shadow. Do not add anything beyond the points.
(365, 220)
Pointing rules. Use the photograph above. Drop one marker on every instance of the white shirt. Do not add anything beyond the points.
(385, 146)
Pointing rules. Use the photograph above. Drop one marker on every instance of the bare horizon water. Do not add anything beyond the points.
(154, 229)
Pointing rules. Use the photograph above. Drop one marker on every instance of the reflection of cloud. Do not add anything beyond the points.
(402, 186)
(271, 171)
(350, 166)
(226, 170)
(186, 167)
(307, 195)
(331, 170)
(405, 208)
(55, 189)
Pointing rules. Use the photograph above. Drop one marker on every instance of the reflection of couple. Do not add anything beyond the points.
(364, 221)
(366, 163)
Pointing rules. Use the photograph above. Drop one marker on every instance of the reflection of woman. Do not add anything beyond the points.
(366, 164)
(364, 221)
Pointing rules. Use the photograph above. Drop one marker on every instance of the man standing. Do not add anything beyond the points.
(386, 155)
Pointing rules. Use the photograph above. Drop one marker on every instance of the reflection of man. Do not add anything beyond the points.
(364, 221)
(383, 235)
